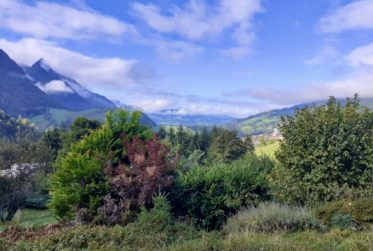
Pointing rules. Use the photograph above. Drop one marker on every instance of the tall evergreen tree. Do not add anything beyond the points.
(226, 146)
(162, 133)
(172, 136)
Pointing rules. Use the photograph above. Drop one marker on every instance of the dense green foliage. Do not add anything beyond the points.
(210, 194)
(271, 218)
(226, 146)
(325, 151)
(79, 181)
(205, 146)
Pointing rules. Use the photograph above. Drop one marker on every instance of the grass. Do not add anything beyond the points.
(272, 218)
(267, 149)
(31, 218)
(150, 233)
(333, 240)
(261, 124)
(127, 238)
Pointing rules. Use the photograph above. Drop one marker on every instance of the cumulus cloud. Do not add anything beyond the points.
(99, 73)
(154, 100)
(360, 82)
(202, 108)
(52, 20)
(153, 105)
(361, 56)
(199, 20)
(55, 86)
(352, 16)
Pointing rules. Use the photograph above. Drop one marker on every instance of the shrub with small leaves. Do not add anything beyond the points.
(209, 195)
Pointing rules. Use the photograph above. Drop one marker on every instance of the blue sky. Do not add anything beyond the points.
(234, 57)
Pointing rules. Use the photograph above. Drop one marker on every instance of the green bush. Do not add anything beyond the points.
(158, 218)
(324, 151)
(79, 181)
(209, 195)
(272, 217)
(360, 209)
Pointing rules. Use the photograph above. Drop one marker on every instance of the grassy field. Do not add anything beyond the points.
(31, 218)
(269, 149)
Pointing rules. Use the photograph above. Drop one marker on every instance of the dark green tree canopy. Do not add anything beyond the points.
(226, 146)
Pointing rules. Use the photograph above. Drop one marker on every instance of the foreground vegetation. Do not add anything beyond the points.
(119, 186)
(253, 229)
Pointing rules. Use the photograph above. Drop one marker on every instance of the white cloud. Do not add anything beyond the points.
(360, 81)
(362, 56)
(236, 52)
(153, 105)
(99, 73)
(355, 15)
(55, 86)
(52, 20)
(199, 20)
(326, 54)
(177, 50)
(215, 109)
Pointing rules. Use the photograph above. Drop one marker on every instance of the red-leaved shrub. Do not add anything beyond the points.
(144, 171)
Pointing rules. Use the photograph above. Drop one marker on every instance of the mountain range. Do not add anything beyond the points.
(18, 93)
(50, 99)
(64, 90)
(46, 97)
(31, 90)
